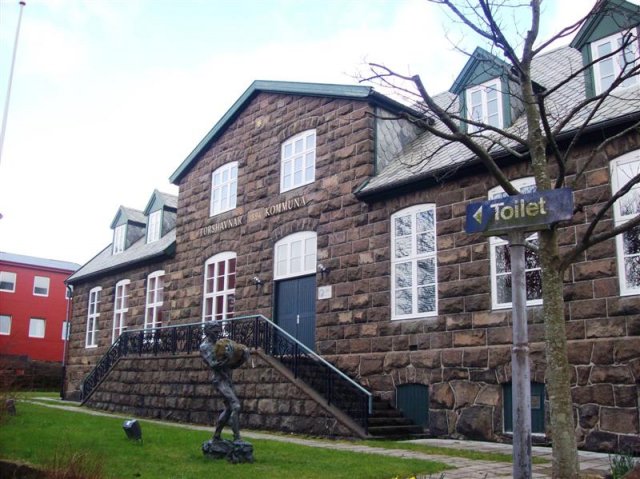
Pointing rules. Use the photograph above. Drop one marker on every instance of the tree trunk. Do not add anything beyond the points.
(565, 451)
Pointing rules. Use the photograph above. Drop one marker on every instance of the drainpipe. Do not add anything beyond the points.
(66, 339)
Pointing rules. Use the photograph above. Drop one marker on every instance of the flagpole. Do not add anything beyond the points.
(13, 62)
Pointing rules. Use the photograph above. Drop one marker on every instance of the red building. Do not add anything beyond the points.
(33, 306)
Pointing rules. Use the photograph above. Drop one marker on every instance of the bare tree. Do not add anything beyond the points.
(547, 136)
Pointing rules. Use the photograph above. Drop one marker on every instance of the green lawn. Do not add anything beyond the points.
(38, 434)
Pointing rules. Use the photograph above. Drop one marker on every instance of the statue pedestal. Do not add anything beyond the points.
(233, 451)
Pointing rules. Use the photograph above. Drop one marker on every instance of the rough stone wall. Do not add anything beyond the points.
(80, 359)
(179, 388)
(344, 159)
(463, 354)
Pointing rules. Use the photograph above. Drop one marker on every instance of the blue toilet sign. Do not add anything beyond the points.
(528, 212)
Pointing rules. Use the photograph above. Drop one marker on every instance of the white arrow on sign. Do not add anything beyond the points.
(478, 215)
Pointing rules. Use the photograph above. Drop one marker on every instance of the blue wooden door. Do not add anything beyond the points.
(413, 401)
(295, 309)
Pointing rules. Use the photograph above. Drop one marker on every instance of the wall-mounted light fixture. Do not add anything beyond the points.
(257, 281)
(323, 269)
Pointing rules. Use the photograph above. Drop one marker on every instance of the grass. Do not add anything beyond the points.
(448, 451)
(38, 435)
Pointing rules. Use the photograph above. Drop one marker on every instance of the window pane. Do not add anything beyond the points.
(426, 243)
(503, 285)
(403, 275)
(403, 247)
(426, 272)
(631, 241)
(424, 221)
(403, 226)
(632, 271)
(503, 259)
(534, 284)
(5, 324)
(403, 301)
(426, 299)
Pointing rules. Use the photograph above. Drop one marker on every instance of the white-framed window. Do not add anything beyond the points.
(219, 287)
(120, 308)
(607, 70)
(5, 324)
(65, 331)
(155, 299)
(298, 161)
(500, 257)
(414, 283)
(37, 327)
(154, 226)
(119, 237)
(623, 169)
(41, 286)
(93, 313)
(7, 281)
(484, 104)
(295, 255)
(224, 188)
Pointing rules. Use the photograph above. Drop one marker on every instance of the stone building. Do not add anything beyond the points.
(307, 204)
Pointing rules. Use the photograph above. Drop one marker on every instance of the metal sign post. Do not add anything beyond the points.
(514, 216)
(520, 373)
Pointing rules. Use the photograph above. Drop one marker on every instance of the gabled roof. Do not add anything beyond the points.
(607, 18)
(38, 262)
(128, 215)
(431, 158)
(138, 253)
(481, 67)
(161, 200)
(354, 92)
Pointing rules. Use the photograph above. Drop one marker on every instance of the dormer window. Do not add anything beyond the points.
(484, 104)
(154, 226)
(119, 236)
(610, 68)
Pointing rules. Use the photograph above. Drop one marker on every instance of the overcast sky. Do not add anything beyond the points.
(110, 96)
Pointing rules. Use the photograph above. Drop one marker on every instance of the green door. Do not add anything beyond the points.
(537, 408)
(413, 401)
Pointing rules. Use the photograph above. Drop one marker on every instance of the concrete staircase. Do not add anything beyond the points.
(387, 422)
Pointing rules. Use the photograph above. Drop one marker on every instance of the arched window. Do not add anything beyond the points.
(155, 299)
(623, 169)
(120, 308)
(219, 287)
(501, 259)
(414, 291)
(93, 314)
(295, 255)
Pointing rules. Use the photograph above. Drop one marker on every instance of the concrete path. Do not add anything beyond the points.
(593, 463)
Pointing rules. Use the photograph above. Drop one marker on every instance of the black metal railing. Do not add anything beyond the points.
(254, 331)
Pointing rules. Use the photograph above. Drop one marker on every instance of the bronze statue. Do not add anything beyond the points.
(224, 355)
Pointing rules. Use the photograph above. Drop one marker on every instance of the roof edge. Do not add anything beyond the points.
(357, 92)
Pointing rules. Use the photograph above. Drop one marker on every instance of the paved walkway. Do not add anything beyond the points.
(594, 463)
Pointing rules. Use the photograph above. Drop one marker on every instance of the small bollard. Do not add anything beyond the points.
(132, 429)
(10, 405)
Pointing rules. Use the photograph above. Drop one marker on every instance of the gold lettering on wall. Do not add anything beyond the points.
(277, 208)
(221, 226)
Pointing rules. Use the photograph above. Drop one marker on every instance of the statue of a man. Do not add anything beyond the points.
(224, 355)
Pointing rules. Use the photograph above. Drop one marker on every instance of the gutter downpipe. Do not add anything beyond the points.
(65, 350)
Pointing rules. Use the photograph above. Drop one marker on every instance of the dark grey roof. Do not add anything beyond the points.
(166, 199)
(130, 214)
(139, 252)
(429, 156)
(41, 262)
